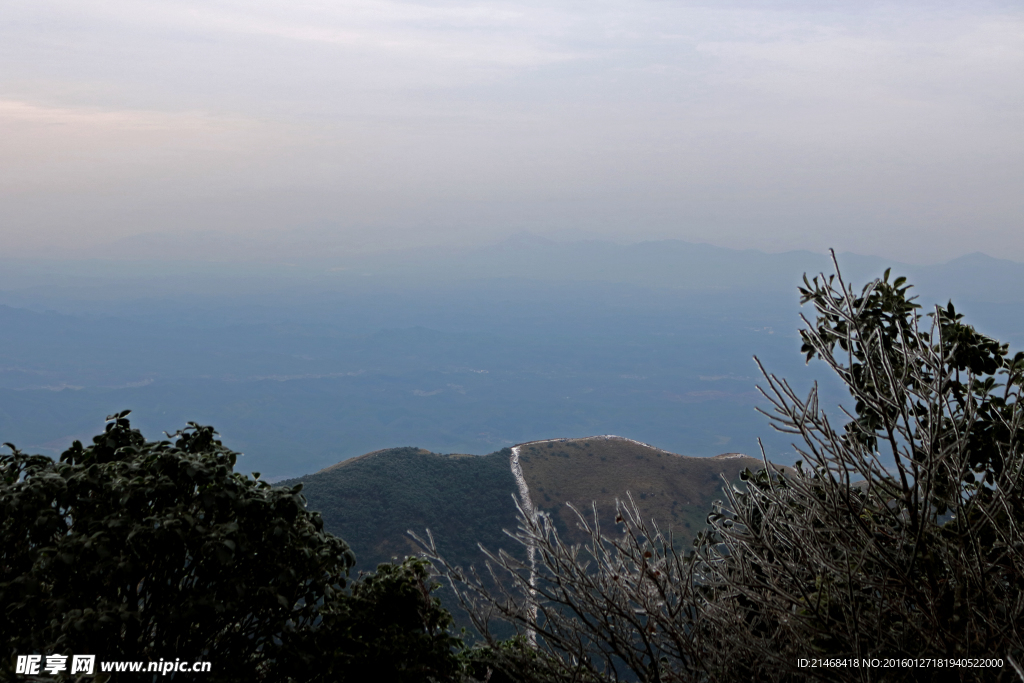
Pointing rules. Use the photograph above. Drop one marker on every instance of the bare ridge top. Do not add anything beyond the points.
(676, 490)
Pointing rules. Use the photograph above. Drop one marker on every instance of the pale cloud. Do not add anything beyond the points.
(50, 149)
(870, 127)
(476, 35)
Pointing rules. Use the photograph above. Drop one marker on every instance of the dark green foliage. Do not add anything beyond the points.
(885, 356)
(374, 500)
(390, 628)
(136, 550)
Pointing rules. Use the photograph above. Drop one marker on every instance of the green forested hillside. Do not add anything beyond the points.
(371, 501)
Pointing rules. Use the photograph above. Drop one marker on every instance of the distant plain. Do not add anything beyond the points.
(301, 366)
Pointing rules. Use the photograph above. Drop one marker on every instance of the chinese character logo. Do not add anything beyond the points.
(30, 664)
(83, 664)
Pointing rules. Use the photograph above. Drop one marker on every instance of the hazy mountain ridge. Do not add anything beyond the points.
(674, 264)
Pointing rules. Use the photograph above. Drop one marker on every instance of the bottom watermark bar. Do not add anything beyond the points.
(900, 663)
(35, 665)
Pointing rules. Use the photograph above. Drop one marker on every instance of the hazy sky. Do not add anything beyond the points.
(883, 128)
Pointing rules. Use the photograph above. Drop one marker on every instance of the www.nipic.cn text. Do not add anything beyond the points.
(34, 665)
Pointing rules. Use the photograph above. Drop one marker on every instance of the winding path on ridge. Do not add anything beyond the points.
(526, 503)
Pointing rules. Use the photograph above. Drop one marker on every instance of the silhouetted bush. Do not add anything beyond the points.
(897, 535)
(138, 551)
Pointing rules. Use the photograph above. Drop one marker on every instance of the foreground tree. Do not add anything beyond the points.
(900, 533)
(140, 551)
(388, 627)
(897, 536)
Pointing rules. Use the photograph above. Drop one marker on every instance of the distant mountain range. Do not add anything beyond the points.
(121, 273)
(372, 501)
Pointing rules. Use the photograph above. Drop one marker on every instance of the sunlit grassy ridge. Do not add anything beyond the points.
(675, 490)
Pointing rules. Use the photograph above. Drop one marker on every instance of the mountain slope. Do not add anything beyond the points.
(371, 501)
(675, 490)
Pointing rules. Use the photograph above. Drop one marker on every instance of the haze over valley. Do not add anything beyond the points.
(470, 351)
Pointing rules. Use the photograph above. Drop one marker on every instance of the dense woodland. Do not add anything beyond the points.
(373, 501)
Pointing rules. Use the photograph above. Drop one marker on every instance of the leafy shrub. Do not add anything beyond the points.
(136, 550)
(898, 534)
